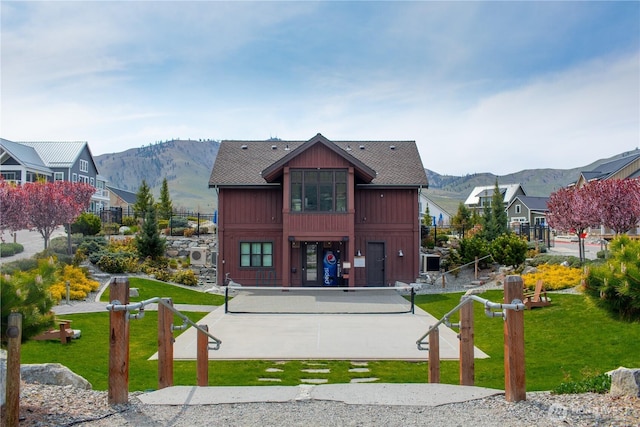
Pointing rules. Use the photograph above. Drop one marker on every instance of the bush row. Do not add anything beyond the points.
(10, 249)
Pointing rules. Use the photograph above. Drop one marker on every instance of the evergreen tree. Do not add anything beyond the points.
(494, 217)
(165, 207)
(144, 200)
(462, 220)
(149, 242)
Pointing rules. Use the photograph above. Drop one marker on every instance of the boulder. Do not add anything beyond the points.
(52, 374)
(625, 382)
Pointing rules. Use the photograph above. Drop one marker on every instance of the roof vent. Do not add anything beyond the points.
(393, 147)
(286, 148)
(273, 147)
(362, 147)
(244, 146)
(348, 148)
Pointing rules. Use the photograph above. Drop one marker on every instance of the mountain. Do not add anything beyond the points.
(187, 165)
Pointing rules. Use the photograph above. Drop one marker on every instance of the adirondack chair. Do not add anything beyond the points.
(537, 298)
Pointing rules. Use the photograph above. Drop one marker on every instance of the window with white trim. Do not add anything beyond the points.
(518, 209)
(74, 177)
(58, 176)
(84, 166)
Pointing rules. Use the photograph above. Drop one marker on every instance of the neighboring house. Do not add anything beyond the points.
(67, 161)
(628, 166)
(438, 215)
(481, 196)
(20, 164)
(286, 208)
(528, 210)
(122, 198)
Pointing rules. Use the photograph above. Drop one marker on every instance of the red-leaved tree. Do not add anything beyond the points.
(617, 203)
(51, 204)
(12, 212)
(572, 210)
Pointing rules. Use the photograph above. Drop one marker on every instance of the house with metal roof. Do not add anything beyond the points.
(318, 212)
(528, 210)
(626, 167)
(62, 161)
(481, 196)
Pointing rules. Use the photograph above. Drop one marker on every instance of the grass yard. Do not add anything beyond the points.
(148, 289)
(564, 342)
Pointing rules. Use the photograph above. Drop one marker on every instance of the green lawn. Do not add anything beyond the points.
(565, 341)
(148, 289)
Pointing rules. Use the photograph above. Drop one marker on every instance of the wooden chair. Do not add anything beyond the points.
(64, 333)
(537, 298)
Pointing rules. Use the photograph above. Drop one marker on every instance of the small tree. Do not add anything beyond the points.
(462, 219)
(144, 201)
(572, 210)
(149, 242)
(495, 217)
(12, 207)
(165, 207)
(48, 205)
(509, 249)
(87, 223)
(617, 203)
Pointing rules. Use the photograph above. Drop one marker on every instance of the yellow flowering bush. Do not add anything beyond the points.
(554, 277)
(79, 284)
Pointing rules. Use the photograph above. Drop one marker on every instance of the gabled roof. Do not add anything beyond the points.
(508, 192)
(608, 169)
(257, 163)
(125, 195)
(59, 154)
(27, 156)
(531, 202)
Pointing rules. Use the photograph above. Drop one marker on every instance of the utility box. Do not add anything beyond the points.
(433, 262)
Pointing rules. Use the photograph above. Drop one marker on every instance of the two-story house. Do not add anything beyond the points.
(63, 161)
(482, 196)
(318, 212)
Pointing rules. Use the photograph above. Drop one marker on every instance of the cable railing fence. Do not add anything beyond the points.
(511, 311)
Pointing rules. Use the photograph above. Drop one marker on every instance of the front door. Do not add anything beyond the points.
(375, 262)
(310, 264)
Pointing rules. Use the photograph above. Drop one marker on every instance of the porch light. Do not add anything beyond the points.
(358, 253)
(400, 253)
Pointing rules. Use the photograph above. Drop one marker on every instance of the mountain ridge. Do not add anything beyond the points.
(187, 165)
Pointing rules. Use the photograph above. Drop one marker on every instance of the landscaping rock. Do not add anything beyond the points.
(52, 374)
(625, 382)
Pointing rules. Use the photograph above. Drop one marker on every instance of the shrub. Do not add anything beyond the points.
(79, 284)
(204, 230)
(10, 249)
(473, 247)
(178, 222)
(554, 276)
(173, 263)
(179, 231)
(163, 223)
(591, 384)
(571, 261)
(129, 221)
(186, 277)
(509, 249)
(18, 265)
(118, 262)
(87, 224)
(110, 228)
(615, 285)
(92, 245)
(188, 232)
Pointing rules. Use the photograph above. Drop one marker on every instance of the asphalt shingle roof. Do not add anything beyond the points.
(125, 195)
(607, 169)
(533, 203)
(241, 163)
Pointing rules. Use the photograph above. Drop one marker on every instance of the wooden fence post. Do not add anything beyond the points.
(514, 372)
(165, 345)
(467, 361)
(202, 356)
(434, 356)
(12, 403)
(119, 343)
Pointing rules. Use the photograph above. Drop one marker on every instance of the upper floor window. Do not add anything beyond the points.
(84, 166)
(518, 209)
(318, 190)
(58, 176)
(256, 254)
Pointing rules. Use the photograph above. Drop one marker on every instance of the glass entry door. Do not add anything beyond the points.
(310, 265)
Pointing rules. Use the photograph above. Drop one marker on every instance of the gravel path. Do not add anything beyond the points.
(66, 406)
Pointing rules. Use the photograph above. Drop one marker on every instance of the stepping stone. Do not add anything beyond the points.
(314, 380)
(364, 380)
(315, 363)
(273, 370)
(276, 380)
(316, 371)
(280, 362)
(359, 370)
(360, 363)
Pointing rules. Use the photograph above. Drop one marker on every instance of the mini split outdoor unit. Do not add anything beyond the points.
(198, 256)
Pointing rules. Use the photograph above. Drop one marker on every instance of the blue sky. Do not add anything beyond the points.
(480, 86)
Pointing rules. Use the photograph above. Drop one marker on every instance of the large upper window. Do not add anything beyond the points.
(318, 190)
(256, 254)
(84, 166)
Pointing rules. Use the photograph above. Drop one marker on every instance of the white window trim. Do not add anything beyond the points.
(84, 166)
